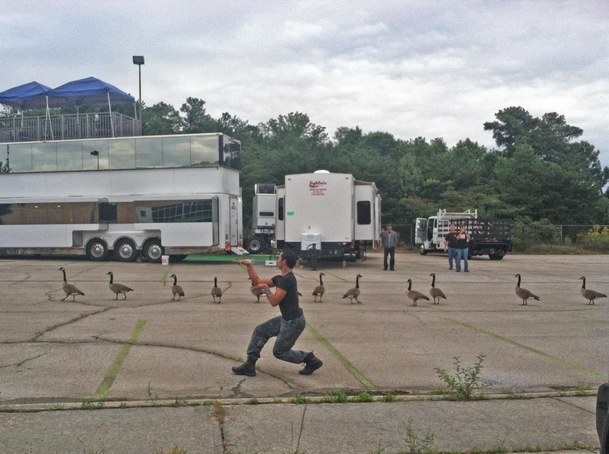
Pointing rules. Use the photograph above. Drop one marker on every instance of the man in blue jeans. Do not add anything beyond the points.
(450, 245)
(287, 327)
(462, 249)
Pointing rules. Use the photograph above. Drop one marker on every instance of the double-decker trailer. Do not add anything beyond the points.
(125, 211)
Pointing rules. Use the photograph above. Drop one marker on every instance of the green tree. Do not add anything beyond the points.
(161, 119)
(195, 118)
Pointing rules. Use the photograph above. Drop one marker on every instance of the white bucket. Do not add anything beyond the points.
(165, 259)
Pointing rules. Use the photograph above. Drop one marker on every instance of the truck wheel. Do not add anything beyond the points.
(125, 251)
(422, 250)
(153, 251)
(97, 250)
(496, 256)
(256, 245)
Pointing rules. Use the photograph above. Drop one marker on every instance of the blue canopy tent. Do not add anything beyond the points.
(32, 95)
(89, 91)
(82, 92)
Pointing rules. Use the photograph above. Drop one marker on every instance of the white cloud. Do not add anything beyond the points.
(410, 68)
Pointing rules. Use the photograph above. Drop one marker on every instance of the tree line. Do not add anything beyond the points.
(539, 172)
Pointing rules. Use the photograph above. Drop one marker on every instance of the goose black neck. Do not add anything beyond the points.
(215, 281)
(357, 282)
(409, 285)
(111, 278)
(320, 281)
(433, 280)
(583, 283)
(64, 275)
(518, 284)
(175, 280)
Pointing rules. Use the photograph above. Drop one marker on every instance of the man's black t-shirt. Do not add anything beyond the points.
(289, 307)
(451, 239)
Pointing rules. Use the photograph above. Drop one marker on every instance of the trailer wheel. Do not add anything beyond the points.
(256, 245)
(97, 250)
(496, 256)
(125, 251)
(153, 251)
(422, 250)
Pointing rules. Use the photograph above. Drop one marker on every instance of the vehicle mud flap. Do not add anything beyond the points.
(602, 420)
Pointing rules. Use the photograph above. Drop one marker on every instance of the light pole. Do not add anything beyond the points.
(139, 61)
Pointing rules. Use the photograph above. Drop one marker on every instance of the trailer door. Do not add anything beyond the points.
(234, 221)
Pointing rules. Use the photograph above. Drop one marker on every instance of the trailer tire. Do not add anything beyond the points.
(125, 251)
(97, 250)
(255, 245)
(153, 251)
(422, 250)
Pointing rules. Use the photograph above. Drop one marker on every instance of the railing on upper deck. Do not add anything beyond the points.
(68, 126)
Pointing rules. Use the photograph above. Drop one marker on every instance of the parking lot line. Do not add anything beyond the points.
(111, 375)
(562, 361)
(350, 367)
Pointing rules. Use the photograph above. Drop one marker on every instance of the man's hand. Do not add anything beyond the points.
(244, 262)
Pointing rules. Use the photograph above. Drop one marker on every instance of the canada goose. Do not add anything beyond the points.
(216, 292)
(70, 289)
(176, 289)
(590, 295)
(435, 291)
(320, 289)
(523, 293)
(353, 292)
(257, 292)
(414, 295)
(118, 288)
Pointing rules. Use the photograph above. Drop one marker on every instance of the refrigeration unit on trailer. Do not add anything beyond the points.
(145, 196)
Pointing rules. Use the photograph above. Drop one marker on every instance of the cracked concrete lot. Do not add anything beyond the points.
(152, 346)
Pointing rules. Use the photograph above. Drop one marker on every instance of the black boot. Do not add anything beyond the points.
(247, 368)
(312, 363)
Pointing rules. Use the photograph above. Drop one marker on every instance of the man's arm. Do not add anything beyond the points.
(274, 298)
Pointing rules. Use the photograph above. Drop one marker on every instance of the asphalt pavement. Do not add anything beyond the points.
(149, 374)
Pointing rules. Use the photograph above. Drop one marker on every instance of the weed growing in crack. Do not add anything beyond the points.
(465, 380)
(153, 398)
(417, 444)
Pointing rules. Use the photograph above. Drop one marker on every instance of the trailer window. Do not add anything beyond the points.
(364, 213)
(280, 211)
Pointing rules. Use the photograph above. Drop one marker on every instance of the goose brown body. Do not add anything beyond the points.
(354, 292)
(589, 294)
(434, 291)
(216, 292)
(69, 289)
(256, 292)
(415, 295)
(117, 288)
(176, 289)
(523, 293)
(320, 289)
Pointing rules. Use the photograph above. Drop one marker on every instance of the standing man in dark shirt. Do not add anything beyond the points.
(287, 327)
(450, 245)
(389, 240)
(463, 239)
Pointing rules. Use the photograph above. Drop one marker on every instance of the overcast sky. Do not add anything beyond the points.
(411, 68)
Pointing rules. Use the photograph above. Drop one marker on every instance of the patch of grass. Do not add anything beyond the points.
(301, 399)
(87, 404)
(254, 401)
(388, 397)
(123, 405)
(582, 387)
(465, 380)
(363, 397)
(179, 403)
(57, 408)
(337, 397)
